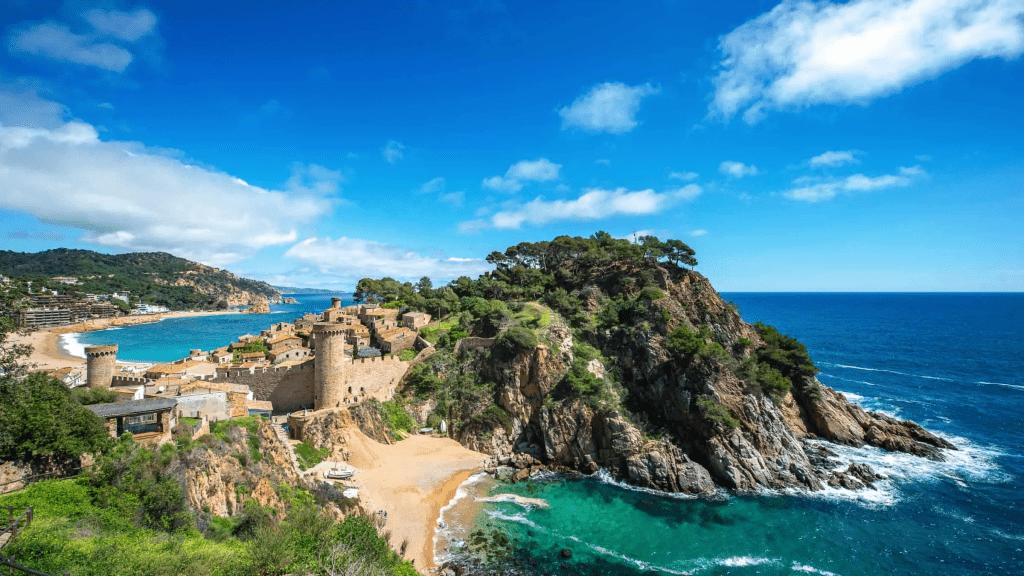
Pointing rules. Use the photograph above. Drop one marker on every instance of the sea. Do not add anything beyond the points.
(951, 362)
(172, 338)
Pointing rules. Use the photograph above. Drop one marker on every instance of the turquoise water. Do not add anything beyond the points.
(951, 362)
(171, 339)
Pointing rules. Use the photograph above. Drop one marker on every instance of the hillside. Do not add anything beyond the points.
(151, 277)
(599, 353)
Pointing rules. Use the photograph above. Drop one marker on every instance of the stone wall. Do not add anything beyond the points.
(373, 378)
(468, 344)
(290, 388)
(214, 404)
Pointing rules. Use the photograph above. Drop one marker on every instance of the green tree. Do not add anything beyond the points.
(40, 420)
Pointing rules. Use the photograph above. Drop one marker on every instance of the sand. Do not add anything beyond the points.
(411, 480)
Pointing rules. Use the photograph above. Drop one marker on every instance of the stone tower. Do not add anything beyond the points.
(100, 361)
(335, 302)
(329, 365)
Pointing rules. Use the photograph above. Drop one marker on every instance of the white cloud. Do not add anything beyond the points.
(314, 179)
(684, 176)
(58, 42)
(433, 186)
(539, 170)
(593, 204)
(352, 259)
(737, 169)
(610, 107)
(392, 151)
(698, 233)
(130, 26)
(834, 159)
(604, 161)
(814, 190)
(803, 53)
(454, 198)
(126, 195)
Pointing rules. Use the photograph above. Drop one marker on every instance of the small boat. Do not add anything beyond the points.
(337, 474)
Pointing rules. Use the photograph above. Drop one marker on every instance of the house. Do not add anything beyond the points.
(149, 420)
(221, 356)
(396, 341)
(253, 357)
(286, 354)
(284, 341)
(415, 320)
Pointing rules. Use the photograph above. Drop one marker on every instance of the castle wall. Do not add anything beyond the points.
(372, 378)
(289, 388)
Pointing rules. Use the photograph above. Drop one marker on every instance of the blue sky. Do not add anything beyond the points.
(871, 145)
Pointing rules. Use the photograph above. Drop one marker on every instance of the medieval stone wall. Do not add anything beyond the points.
(289, 388)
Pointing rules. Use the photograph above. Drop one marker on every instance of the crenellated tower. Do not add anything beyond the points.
(329, 365)
(100, 364)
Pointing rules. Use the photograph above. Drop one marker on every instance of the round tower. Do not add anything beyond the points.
(329, 365)
(100, 361)
(335, 302)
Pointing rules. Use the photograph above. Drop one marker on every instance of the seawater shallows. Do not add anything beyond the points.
(172, 338)
(948, 361)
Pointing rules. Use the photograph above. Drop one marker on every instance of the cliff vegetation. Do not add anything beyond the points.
(577, 354)
(151, 277)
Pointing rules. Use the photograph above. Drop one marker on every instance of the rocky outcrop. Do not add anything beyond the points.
(713, 426)
(260, 307)
(220, 479)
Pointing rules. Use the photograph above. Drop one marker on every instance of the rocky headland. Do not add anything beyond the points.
(658, 380)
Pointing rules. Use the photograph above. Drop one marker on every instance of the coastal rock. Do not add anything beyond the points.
(713, 423)
(259, 307)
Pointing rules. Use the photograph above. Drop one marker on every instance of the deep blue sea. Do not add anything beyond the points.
(171, 339)
(952, 362)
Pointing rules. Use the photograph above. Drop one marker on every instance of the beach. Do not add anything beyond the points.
(410, 480)
(48, 354)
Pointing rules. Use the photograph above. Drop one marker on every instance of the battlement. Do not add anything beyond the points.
(329, 329)
(373, 359)
(101, 350)
(120, 380)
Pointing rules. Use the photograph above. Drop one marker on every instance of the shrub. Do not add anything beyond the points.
(395, 417)
(89, 396)
(684, 342)
(716, 412)
(518, 338)
(651, 293)
(407, 355)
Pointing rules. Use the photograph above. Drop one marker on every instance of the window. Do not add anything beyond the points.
(143, 419)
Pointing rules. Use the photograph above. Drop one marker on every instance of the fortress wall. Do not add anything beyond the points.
(373, 378)
(289, 388)
(467, 344)
(213, 404)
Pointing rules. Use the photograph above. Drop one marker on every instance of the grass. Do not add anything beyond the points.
(308, 456)
(534, 315)
(189, 421)
(432, 333)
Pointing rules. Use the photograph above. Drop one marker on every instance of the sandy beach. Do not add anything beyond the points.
(47, 353)
(411, 481)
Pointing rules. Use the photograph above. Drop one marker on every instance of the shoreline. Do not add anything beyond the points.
(48, 352)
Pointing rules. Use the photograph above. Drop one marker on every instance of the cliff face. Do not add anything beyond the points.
(711, 424)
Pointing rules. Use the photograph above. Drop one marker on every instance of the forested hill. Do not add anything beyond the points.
(151, 277)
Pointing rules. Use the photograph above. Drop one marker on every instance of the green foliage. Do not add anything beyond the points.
(788, 358)
(716, 412)
(684, 342)
(250, 347)
(148, 276)
(39, 420)
(407, 355)
(432, 333)
(88, 396)
(517, 338)
(772, 382)
(132, 480)
(396, 418)
(651, 293)
(308, 456)
(582, 382)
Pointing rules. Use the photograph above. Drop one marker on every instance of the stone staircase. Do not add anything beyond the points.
(282, 435)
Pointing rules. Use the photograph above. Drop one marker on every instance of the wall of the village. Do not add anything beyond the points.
(373, 377)
(289, 388)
